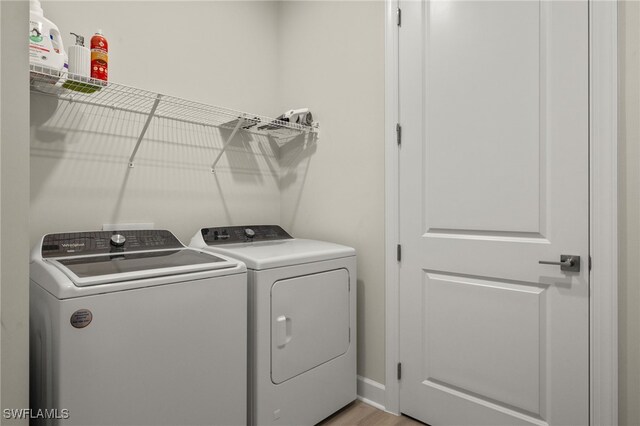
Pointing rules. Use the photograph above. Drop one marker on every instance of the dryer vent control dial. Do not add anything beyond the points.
(249, 233)
(118, 240)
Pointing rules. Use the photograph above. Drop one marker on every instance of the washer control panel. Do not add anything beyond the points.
(243, 234)
(104, 242)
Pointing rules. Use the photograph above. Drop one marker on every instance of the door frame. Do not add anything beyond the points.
(603, 210)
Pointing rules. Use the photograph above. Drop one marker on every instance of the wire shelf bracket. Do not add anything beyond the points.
(227, 142)
(144, 129)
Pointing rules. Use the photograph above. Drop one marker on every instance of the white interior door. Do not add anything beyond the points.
(493, 179)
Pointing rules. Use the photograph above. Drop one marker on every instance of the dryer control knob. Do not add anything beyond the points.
(249, 233)
(118, 240)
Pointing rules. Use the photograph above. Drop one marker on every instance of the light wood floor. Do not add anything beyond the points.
(361, 414)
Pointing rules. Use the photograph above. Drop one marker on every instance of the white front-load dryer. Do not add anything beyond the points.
(302, 321)
(133, 328)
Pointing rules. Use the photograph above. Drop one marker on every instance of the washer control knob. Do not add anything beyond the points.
(249, 233)
(118, 240)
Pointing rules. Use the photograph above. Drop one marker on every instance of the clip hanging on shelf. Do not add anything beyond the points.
(301, 117)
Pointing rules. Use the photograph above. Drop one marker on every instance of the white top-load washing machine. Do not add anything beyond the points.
(302, 322)
(132, 328)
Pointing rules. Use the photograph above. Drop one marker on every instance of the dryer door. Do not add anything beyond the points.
(309, 322)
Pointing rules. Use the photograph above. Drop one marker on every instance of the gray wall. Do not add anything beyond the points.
(333, 62)
(629, 212)
(14, 202)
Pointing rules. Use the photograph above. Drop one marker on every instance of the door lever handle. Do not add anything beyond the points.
(568, 262)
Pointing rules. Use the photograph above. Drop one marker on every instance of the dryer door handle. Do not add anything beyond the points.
(283, 331)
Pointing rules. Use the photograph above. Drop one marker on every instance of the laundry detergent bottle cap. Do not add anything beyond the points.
(45, 41)
(35, 7)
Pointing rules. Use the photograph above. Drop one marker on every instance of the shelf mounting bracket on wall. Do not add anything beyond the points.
(144, 129)
(241, 120)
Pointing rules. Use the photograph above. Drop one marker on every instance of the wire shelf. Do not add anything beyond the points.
(83, 90)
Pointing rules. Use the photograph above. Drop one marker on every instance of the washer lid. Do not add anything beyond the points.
(275, 254)
(100, 257)
(115, 267)
(93, 270)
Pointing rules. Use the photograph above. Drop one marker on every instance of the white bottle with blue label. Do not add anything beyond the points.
(45, 42)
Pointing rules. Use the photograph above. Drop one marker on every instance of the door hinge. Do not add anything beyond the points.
(589, 263)
(399, 17)
(349, 334)
(399, 252)
(399, 134)
(399, 371)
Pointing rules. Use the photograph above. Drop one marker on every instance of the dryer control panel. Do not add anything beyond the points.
(243, 234)
(105, 242)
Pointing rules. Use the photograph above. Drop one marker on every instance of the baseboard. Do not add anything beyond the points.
(371, 392)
